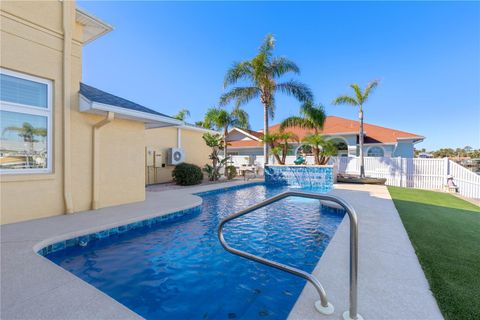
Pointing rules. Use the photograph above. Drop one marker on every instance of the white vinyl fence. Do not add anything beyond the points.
(417, 173)
(414, 172)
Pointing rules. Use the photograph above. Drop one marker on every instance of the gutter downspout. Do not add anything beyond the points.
(179, 137)
(96, 159)
(67, 78)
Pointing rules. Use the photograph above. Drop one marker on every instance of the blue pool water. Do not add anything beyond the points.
(177, 269)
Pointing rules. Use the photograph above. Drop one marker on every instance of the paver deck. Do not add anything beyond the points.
(391, 282)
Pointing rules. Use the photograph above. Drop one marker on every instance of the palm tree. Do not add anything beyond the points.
(322, 149)
(359, 100)
(182, 114)
(313, 117)
(261, 73)
(221, 119)
(28, 133)
(279, 143)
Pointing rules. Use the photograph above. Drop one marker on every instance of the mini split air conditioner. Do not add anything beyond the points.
(175, 156)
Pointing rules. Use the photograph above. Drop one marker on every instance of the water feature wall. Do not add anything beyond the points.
(300, 176)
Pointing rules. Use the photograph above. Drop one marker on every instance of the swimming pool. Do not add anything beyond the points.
(177, 269)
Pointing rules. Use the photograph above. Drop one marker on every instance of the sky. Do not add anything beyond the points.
(426, 55)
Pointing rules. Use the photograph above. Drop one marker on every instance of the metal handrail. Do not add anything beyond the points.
(323, 306)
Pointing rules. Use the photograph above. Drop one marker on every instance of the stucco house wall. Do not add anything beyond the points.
(191, 141)
(404, 150)
(32, 43)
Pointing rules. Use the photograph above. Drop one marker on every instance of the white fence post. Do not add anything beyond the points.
(446, 169)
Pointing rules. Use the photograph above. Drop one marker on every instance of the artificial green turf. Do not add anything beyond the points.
(445, 232)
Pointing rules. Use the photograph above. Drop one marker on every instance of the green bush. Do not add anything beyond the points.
(231, 172)
(187, 174)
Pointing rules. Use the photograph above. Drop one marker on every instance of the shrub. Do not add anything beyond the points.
(231, 172)
(187, 174)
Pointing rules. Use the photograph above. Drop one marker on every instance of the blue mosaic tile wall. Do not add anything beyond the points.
(300, 176)
(83, 240)
(220, 190)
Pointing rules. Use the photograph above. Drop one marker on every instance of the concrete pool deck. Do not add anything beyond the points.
(391, 282)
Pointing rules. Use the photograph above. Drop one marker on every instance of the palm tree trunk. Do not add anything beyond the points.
(360, 138)
(317, 155)
(265, 132)
(279, 160)
(225, 154)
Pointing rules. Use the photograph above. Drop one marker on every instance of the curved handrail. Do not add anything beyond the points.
(325, 305)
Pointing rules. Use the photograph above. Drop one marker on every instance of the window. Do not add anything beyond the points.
(25, 123)
(375, 152)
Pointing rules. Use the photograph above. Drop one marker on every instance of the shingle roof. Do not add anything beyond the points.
(337, 125)
(97, 95)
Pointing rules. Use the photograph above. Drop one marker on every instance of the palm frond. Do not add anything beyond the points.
(314, 139)
(288, 136)
(297, 89)
(315, 113)
(345, 100)
(211, 118)
(280, 66)
(239, 71)
(298, 122)
(272, 107)
(371, 85)
(241, 96)
(358, 92)
(182, 114)
(267, 45)
(241, 118)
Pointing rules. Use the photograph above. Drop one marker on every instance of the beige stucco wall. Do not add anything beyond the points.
(161, 139)
(32, 43)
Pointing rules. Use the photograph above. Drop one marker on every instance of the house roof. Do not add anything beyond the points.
(94, 100)
(97, 95)
(341, 126)
(255, 135)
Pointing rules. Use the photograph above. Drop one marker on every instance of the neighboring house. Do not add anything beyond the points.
(65, 146)
(378, 141)
(425, 155)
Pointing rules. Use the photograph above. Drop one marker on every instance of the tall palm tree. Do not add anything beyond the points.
(222, 119)
(261, 73)
(182, 114)
(359, 100)
(312, 117)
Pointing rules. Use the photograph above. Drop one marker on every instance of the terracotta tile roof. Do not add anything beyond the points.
(337, 125)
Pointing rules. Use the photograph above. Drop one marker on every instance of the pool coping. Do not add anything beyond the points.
(33, 287)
